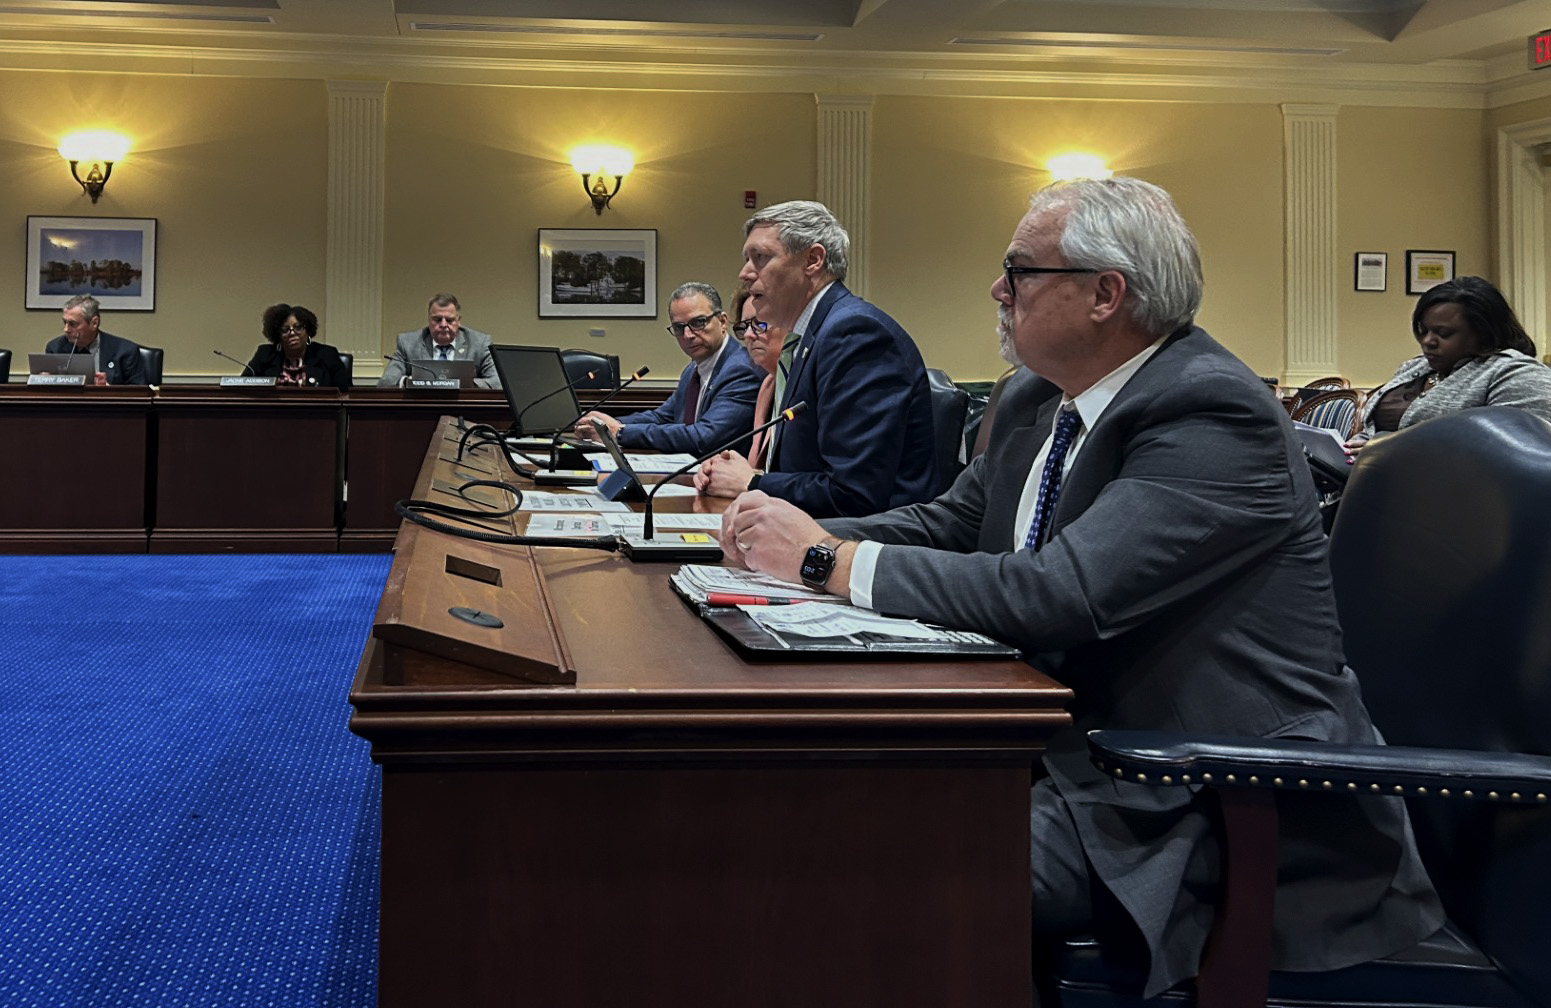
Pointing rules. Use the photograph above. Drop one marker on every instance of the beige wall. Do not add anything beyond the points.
(232, 170)
(473, 173)
(952, 176)
(235, 172)
(1408, 179)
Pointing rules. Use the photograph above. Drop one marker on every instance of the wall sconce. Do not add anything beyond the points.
(99, 149)
(596, 165)
(1063, 167)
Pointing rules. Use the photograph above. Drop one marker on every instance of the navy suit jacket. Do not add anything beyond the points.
(118, 358)
(728, 409)
(865, 442)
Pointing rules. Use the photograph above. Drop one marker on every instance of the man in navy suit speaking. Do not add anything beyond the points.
(865, 442)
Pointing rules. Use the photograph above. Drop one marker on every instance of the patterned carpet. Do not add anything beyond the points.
(186, 818)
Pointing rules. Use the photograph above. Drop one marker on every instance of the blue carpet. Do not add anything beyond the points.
(185, 818)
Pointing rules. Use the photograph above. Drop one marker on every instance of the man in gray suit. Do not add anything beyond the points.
(1159, 551)
(443, 338)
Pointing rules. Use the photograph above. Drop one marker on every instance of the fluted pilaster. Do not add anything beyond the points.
(1313, 269)
(357, 168)
(844, 170)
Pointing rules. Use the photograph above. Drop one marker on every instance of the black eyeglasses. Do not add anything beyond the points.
(698, 324)
(753, 325)
(1010, 271)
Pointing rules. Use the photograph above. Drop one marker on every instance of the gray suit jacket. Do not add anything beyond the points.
(469, 344)
(1184, 587)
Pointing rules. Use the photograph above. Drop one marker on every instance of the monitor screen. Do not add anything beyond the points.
(537, 388)
(62, 363)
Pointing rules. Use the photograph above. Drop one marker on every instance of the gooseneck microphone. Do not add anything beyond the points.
(645, 548)
(554, 444)
(245, 367)
(391, 358)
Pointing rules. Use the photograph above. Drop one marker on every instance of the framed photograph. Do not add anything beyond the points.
(1370, 270)
(1426, 269)
(597, 273)
(111, 258)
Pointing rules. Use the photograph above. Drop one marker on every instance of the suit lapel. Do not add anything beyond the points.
(810, 337)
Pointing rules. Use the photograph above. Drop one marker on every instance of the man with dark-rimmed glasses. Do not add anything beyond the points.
(714, 399)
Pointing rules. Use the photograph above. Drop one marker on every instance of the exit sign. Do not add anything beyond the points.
(1540, 50)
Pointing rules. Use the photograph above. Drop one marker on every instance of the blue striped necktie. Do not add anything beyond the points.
(1050, 478)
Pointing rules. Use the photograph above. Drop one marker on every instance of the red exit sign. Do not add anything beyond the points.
(1540, 50)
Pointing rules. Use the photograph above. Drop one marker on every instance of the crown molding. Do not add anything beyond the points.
(1052, 74)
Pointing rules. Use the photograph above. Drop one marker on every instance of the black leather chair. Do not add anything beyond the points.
(349, 362)
(605, 369)
(151, 364)
(988, 415)
(1442, 568)
(5, 366)
(950, 405)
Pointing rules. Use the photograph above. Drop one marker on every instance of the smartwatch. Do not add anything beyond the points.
(818, 563)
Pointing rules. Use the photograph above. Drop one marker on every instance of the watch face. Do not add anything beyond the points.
(816, 566)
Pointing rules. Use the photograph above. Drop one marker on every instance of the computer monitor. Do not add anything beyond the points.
(62, 363)
(538, 390)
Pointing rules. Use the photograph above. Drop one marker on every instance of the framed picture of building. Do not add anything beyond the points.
(597, 273)
(111, 258)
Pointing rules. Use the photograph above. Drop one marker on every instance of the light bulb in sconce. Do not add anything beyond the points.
(599, 166)
(98, 151)
(1064, 167)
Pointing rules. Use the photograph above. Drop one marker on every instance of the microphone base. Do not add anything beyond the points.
(569, 456)
(565, 477)
(681, 547)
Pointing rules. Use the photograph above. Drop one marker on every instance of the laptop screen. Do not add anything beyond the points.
(537, 388)
(61, 363)
(461, 370)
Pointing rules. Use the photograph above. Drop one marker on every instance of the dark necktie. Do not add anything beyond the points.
(1050, 478)
(444, 353)
(692, 397)
(783, 369)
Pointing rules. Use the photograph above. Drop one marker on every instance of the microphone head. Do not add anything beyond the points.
(795, 408)
(641, 372)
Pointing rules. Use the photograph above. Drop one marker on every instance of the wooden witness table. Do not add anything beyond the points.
(600, 803)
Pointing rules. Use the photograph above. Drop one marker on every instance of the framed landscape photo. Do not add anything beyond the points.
(597, 273)
(1426, 269)
(1369, 270)
(111, 258)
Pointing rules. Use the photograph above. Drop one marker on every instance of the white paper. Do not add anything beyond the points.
(533, 500)
(582, 525)
(636, 523)
(644, 465)
(822, 619)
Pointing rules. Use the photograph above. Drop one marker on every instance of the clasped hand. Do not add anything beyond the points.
(769, 535)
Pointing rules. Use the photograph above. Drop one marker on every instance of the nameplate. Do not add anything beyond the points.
(436, 383)
(246, 380)
(56, 379)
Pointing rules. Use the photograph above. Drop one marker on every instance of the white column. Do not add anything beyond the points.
(1313, 267)
(844, 167)
(357, 168)
(1521, 224)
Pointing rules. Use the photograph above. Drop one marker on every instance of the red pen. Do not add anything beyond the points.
(731, 599)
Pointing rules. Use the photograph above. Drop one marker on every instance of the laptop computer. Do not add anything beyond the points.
(462, 371)
(62, 363)
(1322, 447)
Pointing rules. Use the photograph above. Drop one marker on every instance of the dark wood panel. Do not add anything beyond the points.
(265, 460)
(76, 468)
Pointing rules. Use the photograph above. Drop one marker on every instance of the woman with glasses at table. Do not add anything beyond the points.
(763, 342)
(293, 355)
